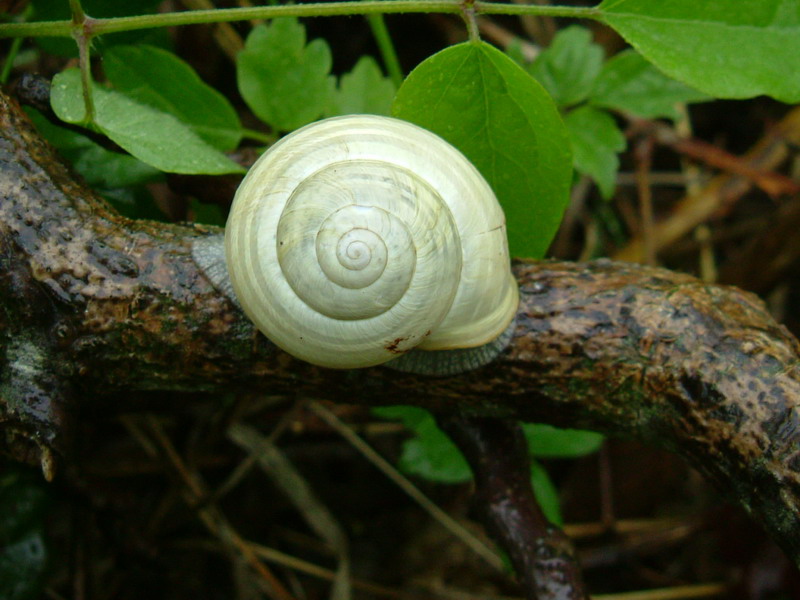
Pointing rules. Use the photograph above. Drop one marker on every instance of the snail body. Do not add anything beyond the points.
(356, 239)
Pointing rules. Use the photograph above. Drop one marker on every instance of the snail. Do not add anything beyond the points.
(359, 240)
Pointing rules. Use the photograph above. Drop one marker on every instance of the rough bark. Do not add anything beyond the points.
(93, 304)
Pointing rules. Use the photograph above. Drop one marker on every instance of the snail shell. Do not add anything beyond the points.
(355, 239)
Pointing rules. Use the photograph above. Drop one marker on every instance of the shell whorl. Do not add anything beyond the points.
(356, 239)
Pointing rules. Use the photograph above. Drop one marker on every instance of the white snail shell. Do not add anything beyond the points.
(357, 238)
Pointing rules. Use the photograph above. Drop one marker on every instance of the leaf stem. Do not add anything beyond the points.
(14, 48)
(468, 14)
(78, 16)
(386, 47)
(8, 64)
(319, 9)
(82, 32)
(258, 136)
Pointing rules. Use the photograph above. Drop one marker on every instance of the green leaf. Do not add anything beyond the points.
(430, 453)
(159, 79)
(364, 90)
(568, 68)
(119, 178)
(546, 493)
(550, 442)
(285, 82)
(631, 84)
(102, 169)
(408, 415)
(204, 212)
(727, 49)
(134, 203)
(596, 140)
(516, 52)
(154, 137)
(106, 170)
(480, 101)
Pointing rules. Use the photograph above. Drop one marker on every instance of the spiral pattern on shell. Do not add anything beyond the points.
(348, 241)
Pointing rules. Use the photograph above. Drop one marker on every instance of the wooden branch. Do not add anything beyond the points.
(541, 553)
(93, 303)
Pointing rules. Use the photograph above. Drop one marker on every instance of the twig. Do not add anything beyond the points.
(210, 517)
(774, 184)
(721, 191)
(542, 555)
(292, 562)
(295, 487)
(316, 9)
(644, 158)
(684, 592)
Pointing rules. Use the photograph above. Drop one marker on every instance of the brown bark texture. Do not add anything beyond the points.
(93, 304)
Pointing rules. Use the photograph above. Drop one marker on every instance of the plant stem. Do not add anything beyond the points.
(78, 16)
(468, 14)
(80, 32)
(384, 41)
(13, 51)
(195, 17)
(264, 138)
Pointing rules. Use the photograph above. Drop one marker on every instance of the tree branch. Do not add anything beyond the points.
(93, 303)
(542, 554)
